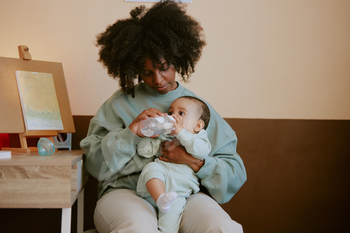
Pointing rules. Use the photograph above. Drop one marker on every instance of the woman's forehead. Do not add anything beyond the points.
(150, 62)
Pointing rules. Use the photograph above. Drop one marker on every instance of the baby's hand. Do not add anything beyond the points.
(178, 124)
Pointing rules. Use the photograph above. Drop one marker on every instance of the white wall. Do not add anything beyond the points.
(264, 59)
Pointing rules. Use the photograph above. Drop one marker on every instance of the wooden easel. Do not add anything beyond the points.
(49, 134)
(11, 118)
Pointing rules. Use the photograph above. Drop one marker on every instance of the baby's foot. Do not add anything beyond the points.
(165, 200)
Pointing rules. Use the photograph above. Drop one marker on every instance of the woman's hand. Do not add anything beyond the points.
(174, 152)
(135, 125)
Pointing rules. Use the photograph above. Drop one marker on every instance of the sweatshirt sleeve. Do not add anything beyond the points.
(107, 152)
(223, 173)
(197, 145)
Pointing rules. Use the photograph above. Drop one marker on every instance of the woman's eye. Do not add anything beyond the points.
(164, 68)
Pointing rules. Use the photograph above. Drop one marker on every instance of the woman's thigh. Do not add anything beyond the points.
(123, 211)
(204, 215)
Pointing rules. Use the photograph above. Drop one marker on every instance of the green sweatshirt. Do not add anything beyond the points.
(110, 147)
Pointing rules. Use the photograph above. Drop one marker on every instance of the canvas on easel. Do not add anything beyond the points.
(12, 120)
(39, 101)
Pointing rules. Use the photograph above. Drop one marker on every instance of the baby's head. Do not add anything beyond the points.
(194, 112)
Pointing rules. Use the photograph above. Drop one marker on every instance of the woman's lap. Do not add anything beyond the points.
(203, 214)
(123, 211)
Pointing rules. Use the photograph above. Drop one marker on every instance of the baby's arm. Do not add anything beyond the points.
(198, 145)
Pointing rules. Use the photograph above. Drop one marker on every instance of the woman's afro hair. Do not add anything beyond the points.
(163, 31)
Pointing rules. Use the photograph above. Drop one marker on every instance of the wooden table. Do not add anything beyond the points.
(29, 180)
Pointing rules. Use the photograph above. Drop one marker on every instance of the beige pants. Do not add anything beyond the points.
(122, 211)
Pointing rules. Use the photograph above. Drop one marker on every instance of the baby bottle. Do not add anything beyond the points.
(159, 125)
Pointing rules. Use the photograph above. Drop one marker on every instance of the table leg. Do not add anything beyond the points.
(80, 224)
(66, 220)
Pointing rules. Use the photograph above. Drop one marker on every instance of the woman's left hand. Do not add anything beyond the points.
(174, 152)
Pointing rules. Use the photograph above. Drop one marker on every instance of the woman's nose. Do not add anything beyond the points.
(158, 77)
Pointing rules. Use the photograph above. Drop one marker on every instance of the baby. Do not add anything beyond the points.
(167, 185)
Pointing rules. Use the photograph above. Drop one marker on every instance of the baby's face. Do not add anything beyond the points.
(188, 110)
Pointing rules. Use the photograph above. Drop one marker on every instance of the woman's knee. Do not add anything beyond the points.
(124, 210)
(220, 226)
(204, 215)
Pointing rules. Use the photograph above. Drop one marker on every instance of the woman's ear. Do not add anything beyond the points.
(199, 126)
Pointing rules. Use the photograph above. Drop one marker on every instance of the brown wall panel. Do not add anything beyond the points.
(298, 175)
(298, 179)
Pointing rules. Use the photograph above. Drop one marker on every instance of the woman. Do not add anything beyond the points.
(152, 46)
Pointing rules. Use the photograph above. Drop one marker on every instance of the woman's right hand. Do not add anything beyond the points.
(135, 125)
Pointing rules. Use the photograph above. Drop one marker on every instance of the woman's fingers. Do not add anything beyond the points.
(147, 113)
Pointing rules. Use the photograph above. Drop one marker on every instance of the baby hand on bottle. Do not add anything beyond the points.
(178, 124)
